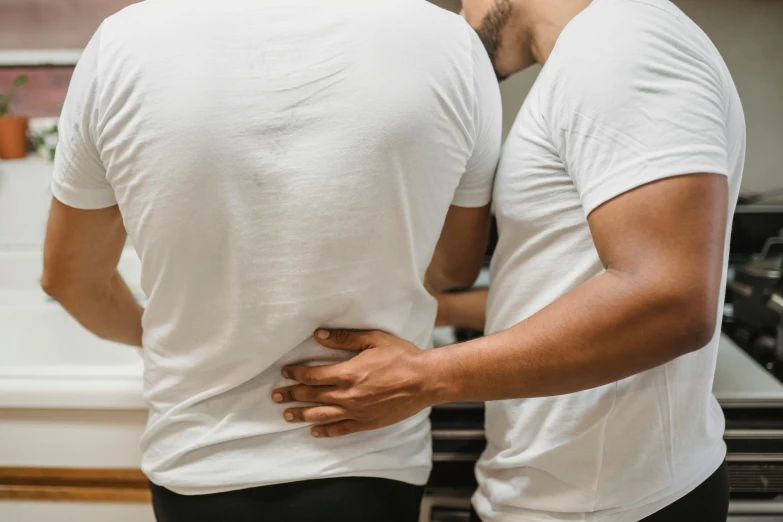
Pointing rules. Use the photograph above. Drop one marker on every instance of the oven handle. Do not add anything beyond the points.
(752, 458)
(742, 289)
(455, 457)
(729, 434)
(457, 434)
(753, 434)
(736, 507)
(759, 507)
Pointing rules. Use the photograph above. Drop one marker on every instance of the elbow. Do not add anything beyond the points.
(448, 280)
(50, 285)
(454, 282)
(699, 332)
(694, 316)
(54, 283)
(463, 275)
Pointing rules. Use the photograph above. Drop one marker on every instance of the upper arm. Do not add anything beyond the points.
(475, 187)
(85, 234)
(459, 253)
(645, 140)
(664, 244)
(82, 247)
(669, 232)
(79, 178)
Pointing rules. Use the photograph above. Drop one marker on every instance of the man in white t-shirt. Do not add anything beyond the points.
(279, 166)
(613, 198)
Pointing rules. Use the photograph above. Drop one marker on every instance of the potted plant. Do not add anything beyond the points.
(44, 135)
(13, 129)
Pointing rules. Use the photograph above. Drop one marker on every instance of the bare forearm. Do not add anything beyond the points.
(605, 330)
(464, 309)
(108, 310)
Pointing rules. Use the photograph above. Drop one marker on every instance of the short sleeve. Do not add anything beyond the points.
(475, 187)
(79, 175)
(638, 106)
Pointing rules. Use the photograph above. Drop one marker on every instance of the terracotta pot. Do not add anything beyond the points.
(13, 137)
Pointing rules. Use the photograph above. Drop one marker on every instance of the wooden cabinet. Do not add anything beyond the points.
(73, 484)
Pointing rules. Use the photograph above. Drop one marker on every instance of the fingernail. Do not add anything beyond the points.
(289, 416)
(277, 397)
(322, 334)
(285, 373)
(316, 434)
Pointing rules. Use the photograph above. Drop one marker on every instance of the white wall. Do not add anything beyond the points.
(749, 35)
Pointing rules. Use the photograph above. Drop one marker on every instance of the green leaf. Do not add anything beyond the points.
(20, 80)
(5, 104)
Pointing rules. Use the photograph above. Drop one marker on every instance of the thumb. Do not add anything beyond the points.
(356, 340)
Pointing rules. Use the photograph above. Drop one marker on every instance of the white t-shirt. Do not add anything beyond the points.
(633, 92)
(279, 166)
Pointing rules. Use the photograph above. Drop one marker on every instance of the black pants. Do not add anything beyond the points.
(709, 502)
(352, 499)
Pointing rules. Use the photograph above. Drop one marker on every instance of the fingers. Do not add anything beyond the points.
(357, 340)
(338, 429)
(314, 375)
(316, 414)
(302, 393)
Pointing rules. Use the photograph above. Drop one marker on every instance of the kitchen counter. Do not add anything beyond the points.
(740, 379)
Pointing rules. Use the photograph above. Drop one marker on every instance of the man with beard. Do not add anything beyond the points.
(613, 199)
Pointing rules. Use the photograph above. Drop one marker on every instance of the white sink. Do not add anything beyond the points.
(48, 360)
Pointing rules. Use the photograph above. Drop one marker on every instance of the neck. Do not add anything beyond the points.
(546, 19)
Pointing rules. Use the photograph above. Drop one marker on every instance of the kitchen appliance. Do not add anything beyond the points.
(752, 402)
(752, 226)
(757, 306)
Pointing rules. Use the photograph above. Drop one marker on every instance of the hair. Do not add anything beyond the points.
(491, 28)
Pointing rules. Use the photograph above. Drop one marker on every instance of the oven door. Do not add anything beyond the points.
(446, 508)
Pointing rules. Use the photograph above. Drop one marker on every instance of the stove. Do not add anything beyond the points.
(753, 315)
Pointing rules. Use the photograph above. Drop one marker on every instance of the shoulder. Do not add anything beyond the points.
(623, 38)
(629, 21)
(425, 21)
(417, 11)
(621, 53)
(134, 13)
(435, 41)
(133, 22)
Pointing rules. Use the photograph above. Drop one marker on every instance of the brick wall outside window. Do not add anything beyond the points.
(52, 24)
(45, 93)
